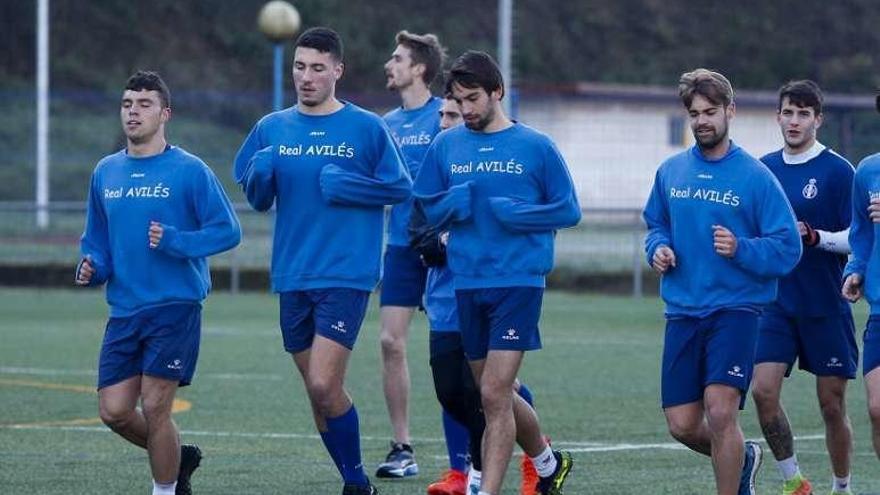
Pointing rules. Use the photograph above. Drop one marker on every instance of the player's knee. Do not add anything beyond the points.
(832, 408)
(156, 410)
(114, 416)
(684, 432)
(392, 344)
(721, 417)
(874, 411)
(322, 392)
(765, 396)
(495, 398)
(449, 396)
(683, 435)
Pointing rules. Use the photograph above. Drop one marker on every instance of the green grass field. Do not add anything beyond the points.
(596, 383)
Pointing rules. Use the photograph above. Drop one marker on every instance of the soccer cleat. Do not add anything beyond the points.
(453, 482)
(399, 463)
(190, 458)
(552, 485)
(367, 489)
(753, 457)
(529, 483)
(528, 473)
(797, 486)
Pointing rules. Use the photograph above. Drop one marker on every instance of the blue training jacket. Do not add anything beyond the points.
(862, 234)
(502, 196)
(413, 130)
(175, 189)
(691, 194)
(820, 193)
(329, 177)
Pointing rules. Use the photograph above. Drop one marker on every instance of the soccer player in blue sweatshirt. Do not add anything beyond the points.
(463, 420)
(862, 276)
(810, 320)
(415, 62)
(502, 190)
(720, 232)
(155, 213)
(329, 167)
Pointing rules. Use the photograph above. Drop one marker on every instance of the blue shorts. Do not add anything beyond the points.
(871, 348)
(823, 346)
(499, 319)
(335, 314)
(403, 278)
(161, 342)
(697, 352)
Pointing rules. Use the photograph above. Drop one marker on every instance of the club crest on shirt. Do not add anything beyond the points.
(810, 190)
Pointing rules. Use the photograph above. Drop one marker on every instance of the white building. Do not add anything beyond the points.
(614, 137)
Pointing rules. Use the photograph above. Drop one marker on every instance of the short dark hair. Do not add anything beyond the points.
(709, 84)
(424, 49)
(804, 93)
(150, 81)
(323, 39)
(475, 69)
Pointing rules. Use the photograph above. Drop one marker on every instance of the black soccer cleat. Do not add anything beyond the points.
(552, 485)
(190, 458)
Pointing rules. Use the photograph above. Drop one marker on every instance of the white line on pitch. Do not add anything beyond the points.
(13, 370)
(570, 446)
(605, 447)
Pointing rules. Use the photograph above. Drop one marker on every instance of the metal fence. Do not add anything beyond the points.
(612, 137)
(606, 245)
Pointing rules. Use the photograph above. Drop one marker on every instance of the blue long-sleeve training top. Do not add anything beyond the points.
(502, 196)
(820, 193)
(330, 177)
(413, 130)
(691, 194)
(180, 192)
(865, 251)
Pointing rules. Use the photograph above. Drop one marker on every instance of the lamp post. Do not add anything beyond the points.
(279, 21)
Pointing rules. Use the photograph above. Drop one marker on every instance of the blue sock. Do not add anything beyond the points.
(456, 443)
(526, 394)
(344, 434)
(325, 437)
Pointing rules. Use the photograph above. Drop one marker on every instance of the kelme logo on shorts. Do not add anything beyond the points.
(339, 326)
(834, 363)
(175, 365)
(736, 371)
(511, 335)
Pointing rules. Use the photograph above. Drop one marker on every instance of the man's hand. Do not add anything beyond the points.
(874, 210)
(808, 234)
(852, 287)
(663, 260)
(724, 241)
(155, 234)
(85, 272)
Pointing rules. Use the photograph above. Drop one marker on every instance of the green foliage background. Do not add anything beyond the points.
(218, 64)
